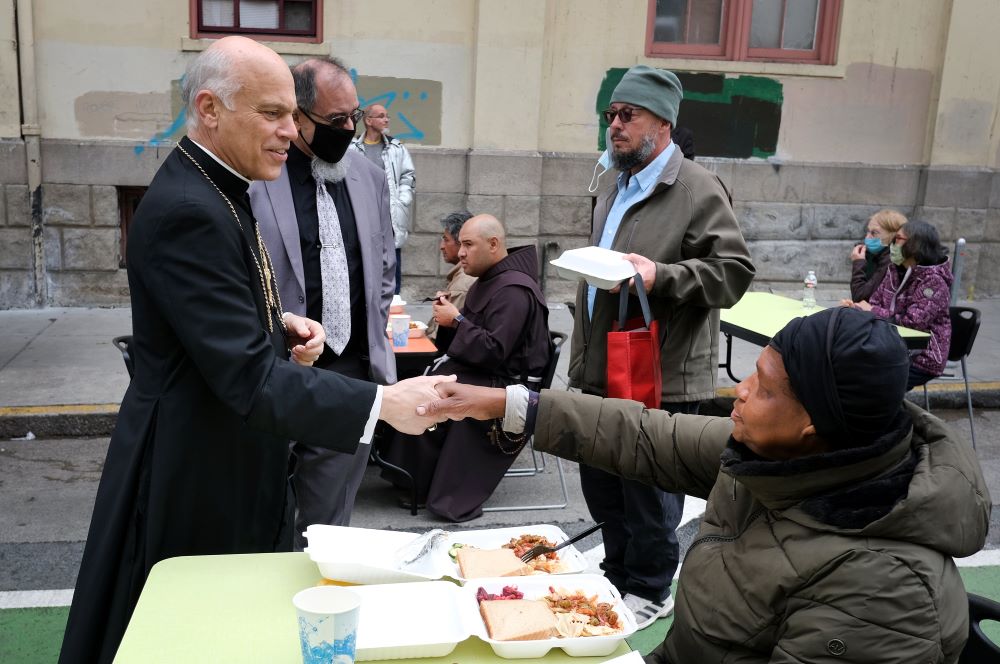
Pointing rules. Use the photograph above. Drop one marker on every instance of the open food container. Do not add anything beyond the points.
(430, 618)
(367, 556)
(537, 587)
(602, 268)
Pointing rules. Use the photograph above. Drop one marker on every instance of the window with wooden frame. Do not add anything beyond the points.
(752, 30)
(276, 20)
(128, 201)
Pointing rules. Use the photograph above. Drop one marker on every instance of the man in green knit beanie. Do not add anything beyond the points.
(674, 221)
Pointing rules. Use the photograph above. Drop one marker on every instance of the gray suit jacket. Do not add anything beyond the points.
(275, 212)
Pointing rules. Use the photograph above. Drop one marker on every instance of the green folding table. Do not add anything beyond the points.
(238, 608)
(759, 316)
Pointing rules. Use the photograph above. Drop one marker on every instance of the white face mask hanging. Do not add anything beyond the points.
(604, 161)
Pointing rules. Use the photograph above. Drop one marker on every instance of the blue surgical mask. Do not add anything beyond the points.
(603, 162)
(874, 245)
(896, 253)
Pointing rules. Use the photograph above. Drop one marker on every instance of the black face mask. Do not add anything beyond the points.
(329, 143)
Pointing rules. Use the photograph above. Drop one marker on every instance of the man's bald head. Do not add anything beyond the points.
(240, 99)
(223, 68)
(484, 244)
(376, 122)
(486, 226)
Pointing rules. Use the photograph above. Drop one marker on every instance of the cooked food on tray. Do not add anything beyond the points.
(518, 619)
(479, 563)
(510, 617)
(508, 592)
(545, 563)
(505, 561)
(580, 615)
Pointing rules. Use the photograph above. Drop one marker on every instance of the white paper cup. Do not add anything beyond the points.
(328, 624)
(400, 329)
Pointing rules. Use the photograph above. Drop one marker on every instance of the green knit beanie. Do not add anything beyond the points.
(656, 90)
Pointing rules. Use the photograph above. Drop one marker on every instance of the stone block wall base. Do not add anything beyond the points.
(795, 217)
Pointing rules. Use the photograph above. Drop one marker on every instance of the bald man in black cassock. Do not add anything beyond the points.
(198, 460)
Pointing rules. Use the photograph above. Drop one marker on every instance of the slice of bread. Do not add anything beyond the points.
(518, 619)
(481, 563)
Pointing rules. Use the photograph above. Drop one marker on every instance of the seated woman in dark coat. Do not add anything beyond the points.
(916, 293)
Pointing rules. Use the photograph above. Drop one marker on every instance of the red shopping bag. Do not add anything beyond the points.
(634, 370)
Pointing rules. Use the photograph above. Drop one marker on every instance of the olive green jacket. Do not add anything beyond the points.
(839, 557)
(687, 227)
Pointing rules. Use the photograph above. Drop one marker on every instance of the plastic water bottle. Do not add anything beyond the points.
(809, 291)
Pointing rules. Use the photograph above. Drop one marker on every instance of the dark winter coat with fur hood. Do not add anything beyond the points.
(838, 557)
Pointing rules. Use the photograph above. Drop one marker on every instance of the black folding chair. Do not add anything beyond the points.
(964, 328)
(558, 339)
(123, 343)
(980, 648)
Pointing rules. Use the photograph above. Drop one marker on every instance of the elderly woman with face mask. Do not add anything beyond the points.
(834, 506)
(870, 260)
(916, 293)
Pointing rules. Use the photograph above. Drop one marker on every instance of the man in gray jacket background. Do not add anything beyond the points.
(674, 221)
(393, 158)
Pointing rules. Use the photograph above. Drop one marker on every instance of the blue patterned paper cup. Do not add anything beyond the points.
(400, 329)
(328, 624)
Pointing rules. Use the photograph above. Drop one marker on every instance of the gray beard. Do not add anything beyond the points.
(626, 161)
(328, 172)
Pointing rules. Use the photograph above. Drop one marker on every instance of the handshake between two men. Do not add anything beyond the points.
(410, 406)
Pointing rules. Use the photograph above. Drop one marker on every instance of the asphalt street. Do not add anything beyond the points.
(49, 487)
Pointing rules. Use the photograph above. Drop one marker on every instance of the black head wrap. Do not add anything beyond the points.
(848, 369)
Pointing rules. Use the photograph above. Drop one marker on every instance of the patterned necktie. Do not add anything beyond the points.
(333, 265)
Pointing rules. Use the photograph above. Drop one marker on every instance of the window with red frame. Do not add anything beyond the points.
(752, 30)
(297, 19)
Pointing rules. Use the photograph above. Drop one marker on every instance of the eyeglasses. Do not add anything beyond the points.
(339, 121)
(626, 114)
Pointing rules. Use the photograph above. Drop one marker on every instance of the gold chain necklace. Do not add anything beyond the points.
(272, 299)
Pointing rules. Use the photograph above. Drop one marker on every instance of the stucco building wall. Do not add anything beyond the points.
(497, 100)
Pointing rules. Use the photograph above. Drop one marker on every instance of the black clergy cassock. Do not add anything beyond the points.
(198, 460)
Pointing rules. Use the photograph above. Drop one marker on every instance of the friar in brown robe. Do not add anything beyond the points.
(501, 338)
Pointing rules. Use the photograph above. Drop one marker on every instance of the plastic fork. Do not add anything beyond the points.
(541, 549)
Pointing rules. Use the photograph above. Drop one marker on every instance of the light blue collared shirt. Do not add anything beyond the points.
(631, 190)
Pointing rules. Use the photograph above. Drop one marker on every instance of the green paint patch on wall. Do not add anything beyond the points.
(730, 117)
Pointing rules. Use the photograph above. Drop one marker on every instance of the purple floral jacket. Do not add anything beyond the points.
(919, 299)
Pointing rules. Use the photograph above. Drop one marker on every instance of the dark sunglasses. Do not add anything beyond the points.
(625, 114)
(336, 120)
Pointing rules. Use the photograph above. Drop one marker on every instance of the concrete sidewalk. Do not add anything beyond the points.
(60, 375)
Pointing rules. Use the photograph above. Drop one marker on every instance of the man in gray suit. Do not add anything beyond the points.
(327, 226)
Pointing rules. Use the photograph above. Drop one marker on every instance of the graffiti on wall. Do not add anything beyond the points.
(730, 117)
(157, 119)
(414, 105)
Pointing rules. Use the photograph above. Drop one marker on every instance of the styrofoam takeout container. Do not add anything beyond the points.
(602, 268)
(366, 555)
(405, 621)
(362, 555)
(418, 329)
(536, 587)
(429, 619)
